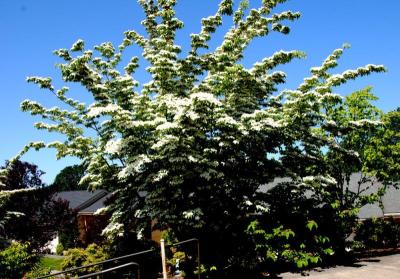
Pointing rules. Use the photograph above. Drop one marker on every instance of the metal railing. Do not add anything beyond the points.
(65, 272)
(113, 269)
(104, 271)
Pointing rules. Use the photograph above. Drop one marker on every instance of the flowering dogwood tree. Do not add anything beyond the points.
(191, 147)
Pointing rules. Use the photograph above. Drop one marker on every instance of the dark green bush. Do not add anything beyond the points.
(292, 234)
(69, 234)
(378, 233)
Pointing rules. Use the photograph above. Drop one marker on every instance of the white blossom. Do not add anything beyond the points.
(167, 126)
(99, 110)
(205, 97)
(113, 146)
(248, 203)
(101, 211)
(160, 175)
(136, 166)
(188, 214)
(113, 229)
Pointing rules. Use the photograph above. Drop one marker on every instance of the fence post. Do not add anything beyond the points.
(163, 260)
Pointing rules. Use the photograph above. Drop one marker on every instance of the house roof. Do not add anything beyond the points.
(390, 201)
(91, 209)
(84, 201)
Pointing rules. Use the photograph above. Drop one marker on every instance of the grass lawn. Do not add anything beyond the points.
(52, 263)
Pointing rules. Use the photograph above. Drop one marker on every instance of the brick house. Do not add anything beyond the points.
(85, 204)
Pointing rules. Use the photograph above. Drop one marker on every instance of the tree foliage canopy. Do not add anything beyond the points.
(205, 132)
(383, 152)
(68, 179)
(34, 216)
(22, 175)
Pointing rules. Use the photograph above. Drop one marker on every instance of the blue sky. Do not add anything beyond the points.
(31, 30)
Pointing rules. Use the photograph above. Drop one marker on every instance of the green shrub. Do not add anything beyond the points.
(37, 271)
(59, 249)
(378, 233)
(74, 257)
(78, 257)
(291, 235)
(16, 260)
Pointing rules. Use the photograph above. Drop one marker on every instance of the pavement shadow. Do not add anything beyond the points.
(356, 264)
(371, 260)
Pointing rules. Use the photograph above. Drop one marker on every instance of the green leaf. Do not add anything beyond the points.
(312, 225)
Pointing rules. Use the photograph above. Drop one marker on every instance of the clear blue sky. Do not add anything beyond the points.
(31, 30)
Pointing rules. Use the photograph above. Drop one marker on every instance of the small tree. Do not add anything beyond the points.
(357, 109)
(22, 175)
(68, 179)
(383, 159)
(17, 179)
(204, 133)
(40, 216)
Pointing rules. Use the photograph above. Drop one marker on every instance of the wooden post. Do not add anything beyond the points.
(163, 260)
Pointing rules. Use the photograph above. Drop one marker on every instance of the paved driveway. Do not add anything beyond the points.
(387, 267)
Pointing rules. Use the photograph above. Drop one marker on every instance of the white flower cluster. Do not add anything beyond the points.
(113, 146)
(136, 166)
(96, 110)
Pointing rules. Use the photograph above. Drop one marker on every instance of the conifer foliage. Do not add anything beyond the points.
(191, 147)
